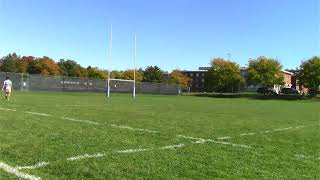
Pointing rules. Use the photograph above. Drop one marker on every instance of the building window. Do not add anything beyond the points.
(191, 74)
(202, 80)
(197, 74)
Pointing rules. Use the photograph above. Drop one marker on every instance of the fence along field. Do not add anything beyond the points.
(35, 82)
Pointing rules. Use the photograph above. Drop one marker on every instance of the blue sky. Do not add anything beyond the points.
(172, 34)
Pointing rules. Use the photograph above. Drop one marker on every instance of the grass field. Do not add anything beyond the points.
(83, 136)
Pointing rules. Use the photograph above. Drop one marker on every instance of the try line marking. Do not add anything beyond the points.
(16, 172)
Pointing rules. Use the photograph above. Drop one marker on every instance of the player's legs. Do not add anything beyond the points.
(8, 93)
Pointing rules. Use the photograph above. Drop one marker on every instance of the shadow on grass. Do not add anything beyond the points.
(257, 96)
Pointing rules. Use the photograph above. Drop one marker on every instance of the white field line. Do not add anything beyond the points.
(5, 109)
(77, 120)
(227, 143)
(275, 130)
(99, 155)
(16, 172)
(133, 129)
(198, 141)
(173, 146)
(282, 129)
(201, 141)
(132, 150)
(85, 156)
(222, 138)
(38, 165)
(37, 113)
(194, 138)
(48, 115)
(301, 156)
(285, 129)
(247, 134)
(298, 127)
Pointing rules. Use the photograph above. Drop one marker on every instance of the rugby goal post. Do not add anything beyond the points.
(121, 82)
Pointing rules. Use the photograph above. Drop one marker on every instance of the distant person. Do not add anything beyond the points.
(7, 87)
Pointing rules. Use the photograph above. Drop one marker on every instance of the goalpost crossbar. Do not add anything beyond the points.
(125, 80)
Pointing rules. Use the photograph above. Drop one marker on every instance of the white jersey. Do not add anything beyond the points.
(7, 85)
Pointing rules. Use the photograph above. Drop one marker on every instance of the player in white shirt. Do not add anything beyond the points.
(7, 87)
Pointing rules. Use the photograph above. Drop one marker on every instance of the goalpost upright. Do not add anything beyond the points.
(134, 67)
(109, 63)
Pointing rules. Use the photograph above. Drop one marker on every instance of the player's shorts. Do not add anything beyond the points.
(8, 91)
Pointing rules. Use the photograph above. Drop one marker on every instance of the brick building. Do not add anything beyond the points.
(197, 84)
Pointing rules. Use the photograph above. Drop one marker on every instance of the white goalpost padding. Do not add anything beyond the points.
(121, 80)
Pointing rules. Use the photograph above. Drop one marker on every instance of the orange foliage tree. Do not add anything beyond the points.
(176, 76)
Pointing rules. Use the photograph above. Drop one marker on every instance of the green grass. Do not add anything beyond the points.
(26, 139)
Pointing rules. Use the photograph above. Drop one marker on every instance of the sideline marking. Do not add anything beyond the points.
(36, 113)
(16, 172)
(38, 165)
(77, 120)
(85, 156)
(173, 146)
(5, 109)
(132, 150)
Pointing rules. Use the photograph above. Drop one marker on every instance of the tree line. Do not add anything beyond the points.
(224, 75)
(67, 67)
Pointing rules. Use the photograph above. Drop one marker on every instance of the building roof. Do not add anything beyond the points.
(287, 72)
(204, 68)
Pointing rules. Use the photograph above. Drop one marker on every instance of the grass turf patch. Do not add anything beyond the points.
(26, 139)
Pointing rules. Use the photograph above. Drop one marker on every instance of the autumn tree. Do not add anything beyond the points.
(224, 76)
(265, 71)
(309, 74)
(44, 66)
(24, 63)
(177, 77)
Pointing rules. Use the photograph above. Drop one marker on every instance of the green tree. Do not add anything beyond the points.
(265, 71)
(71, 68)
(224, 76)
(8, 63)
(128, 74)
(153, 74)
(309, 74)
(95, 73)
(116, 74)
(177, 77)
(44, 66)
